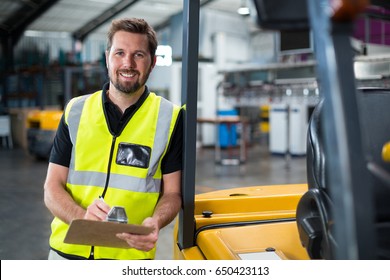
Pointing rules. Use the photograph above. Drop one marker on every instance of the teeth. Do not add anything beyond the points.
(128, 75)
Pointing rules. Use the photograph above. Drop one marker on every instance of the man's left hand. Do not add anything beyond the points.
(142, 242)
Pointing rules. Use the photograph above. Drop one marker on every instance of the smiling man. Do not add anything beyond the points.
(122, 143)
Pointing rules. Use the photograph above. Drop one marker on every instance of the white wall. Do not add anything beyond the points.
(168, 79)
(263, 47)
(211, 23)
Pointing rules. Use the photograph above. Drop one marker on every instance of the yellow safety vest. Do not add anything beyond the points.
(102, 161)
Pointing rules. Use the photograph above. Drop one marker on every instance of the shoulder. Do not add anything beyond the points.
(78, 102)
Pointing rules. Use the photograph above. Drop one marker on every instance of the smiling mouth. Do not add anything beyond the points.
(127, 74)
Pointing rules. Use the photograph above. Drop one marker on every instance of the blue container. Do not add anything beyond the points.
(227, 133)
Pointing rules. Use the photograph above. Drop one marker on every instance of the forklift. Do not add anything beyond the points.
(343, 211)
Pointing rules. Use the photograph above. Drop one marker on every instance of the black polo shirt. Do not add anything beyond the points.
(62, 146)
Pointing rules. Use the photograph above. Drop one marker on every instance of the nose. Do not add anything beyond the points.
(128, 61)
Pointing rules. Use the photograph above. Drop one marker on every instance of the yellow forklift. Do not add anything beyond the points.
(343, 211)
(41, 129)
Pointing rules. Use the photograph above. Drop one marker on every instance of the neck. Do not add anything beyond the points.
(123, 100)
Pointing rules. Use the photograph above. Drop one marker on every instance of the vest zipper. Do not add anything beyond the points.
(91, 255)
(109, 166)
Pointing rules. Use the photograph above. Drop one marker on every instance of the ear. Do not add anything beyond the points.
(154, 62)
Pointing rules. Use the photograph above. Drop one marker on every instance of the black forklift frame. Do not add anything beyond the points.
(189, 95)
(348, 180)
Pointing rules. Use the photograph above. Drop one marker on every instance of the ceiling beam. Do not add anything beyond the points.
(12, 29)
(93, 24)
(16, 24)
(96, 22)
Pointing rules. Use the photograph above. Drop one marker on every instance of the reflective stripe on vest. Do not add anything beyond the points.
(73, 120)
(97, 179)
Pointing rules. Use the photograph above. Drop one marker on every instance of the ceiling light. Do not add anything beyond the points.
(243, 9)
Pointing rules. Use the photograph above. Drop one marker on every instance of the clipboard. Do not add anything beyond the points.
(101, 233)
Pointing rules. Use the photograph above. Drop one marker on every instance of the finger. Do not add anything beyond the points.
(140, 242)
(89, 215)
(104, 207)
(94, 212)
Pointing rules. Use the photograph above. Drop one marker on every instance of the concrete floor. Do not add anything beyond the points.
(25, 221)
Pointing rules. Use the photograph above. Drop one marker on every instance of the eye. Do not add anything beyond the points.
(139, 55)
(119, 53)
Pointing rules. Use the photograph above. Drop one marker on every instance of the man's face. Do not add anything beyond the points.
(129, 62)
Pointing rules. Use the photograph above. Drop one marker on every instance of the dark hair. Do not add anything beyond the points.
(133, 25)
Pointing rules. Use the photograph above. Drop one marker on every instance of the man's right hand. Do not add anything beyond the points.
(97, 211)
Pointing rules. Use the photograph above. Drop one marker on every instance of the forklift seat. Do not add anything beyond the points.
(314, 209)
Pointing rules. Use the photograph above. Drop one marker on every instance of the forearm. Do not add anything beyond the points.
(167, 208)
(62, 205)
(57, 199)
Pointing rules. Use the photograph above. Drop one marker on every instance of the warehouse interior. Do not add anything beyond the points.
(256, 92)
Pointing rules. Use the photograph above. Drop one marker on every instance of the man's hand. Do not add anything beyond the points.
(97, 211)
(142, 242)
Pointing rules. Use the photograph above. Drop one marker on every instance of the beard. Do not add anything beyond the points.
(128, 87)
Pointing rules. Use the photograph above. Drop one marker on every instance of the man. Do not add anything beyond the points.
(122, 144)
